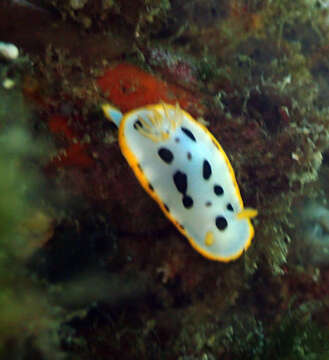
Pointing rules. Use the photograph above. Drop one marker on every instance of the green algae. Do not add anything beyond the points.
(296, 337)
(26, 315)
(136, 19)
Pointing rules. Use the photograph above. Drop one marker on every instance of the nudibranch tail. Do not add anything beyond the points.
(247, 213)
(112, 113)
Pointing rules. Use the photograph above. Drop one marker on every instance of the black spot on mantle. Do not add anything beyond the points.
(180, 181)
(221, 223)
(187, 202)
(206, 170)
(218, 190)
(188, 133)
(166, 155)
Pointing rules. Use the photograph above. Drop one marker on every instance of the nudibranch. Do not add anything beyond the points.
(184, 169)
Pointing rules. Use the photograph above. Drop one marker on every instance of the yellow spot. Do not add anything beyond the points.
(209, 238)
(247, 213)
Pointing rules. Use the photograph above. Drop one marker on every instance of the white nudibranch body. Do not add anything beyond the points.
(184, 169)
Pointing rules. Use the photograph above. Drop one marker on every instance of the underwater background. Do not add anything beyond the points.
(90, 268)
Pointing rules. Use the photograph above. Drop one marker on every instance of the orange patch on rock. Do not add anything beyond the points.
(128, 87)
(75, 152)
(58, 125)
